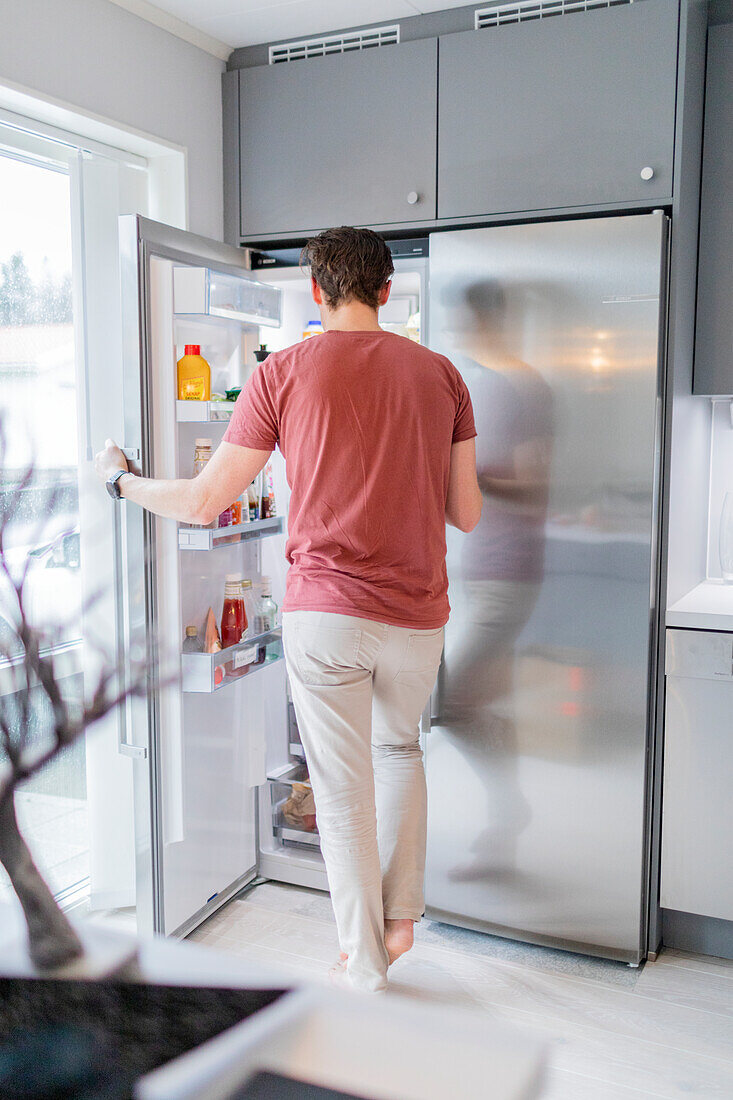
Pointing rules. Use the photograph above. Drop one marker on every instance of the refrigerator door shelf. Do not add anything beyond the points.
(282, 830)
(204, 412)
(201, 292)
(289, 835)
(198, 670)
(196, 538)
(289, 774)
(281, 792)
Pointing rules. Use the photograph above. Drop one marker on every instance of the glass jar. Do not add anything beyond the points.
(201, 455)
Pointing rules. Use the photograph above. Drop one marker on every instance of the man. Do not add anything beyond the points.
(378, 438)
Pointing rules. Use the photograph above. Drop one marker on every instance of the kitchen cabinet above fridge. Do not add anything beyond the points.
(571, 113)
(347, 140)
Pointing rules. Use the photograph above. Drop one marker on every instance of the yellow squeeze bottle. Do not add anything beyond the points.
(194, 375)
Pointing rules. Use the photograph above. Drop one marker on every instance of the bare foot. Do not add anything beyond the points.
(398, 937)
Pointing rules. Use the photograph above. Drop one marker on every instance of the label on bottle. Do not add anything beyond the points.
(193, 389)
(244, 656)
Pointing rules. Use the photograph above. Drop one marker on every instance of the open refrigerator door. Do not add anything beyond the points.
(221, 789)
(200, 735)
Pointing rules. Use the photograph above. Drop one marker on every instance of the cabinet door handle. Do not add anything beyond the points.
(412, 197)
(647, 173)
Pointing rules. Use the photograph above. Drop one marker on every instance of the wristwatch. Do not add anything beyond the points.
(113, 484)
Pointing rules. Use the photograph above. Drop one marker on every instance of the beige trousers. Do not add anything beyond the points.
(359, 688)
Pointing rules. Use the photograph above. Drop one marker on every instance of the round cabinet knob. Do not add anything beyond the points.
(412, 197)
(647, 173)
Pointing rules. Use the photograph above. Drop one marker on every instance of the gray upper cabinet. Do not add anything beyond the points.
(568, 111)
(340, 140)
(714, 329)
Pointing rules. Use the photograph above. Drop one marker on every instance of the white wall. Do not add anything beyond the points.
(95, 56)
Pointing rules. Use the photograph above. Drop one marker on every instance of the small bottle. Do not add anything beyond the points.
(262, 353)
(265, 615)
(236, 510)
(232, 612)
(192, 642)
(253, 502)
(201, 455)
(313, 328)
(225, 518)
(267, 497)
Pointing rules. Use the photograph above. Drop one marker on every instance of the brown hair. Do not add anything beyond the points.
(348, 263)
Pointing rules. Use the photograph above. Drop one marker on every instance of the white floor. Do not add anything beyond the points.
(615, 1033)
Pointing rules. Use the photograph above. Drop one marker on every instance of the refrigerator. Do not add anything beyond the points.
(211, 753)
(542, 722)
(538, 737)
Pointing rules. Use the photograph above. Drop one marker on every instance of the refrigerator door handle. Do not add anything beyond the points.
(132, 454)
(122, 632)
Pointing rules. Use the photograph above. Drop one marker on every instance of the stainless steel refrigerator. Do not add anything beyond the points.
(541, 723)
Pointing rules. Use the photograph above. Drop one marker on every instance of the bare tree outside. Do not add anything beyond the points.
(27, 653)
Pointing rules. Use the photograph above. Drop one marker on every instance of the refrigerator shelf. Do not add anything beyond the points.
(290, 835)
(281, 791)
(201, 538)
(204, 412)
(198, 670)
(289, 774)
(203, 292)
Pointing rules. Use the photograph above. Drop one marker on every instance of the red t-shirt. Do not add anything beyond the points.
(365, 421)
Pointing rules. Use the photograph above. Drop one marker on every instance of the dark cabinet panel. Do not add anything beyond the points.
(341, 140)
(714, 328)
(566, 111)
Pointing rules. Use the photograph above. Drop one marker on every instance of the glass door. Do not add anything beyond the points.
(38, 411)
(60, 350)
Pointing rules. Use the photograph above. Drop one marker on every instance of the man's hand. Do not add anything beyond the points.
(110, 460)
(196, 500)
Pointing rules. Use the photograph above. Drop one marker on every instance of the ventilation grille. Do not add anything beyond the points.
(523, 10)
(335, 43)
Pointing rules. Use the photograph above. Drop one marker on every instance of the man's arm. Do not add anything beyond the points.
(190, 500)
(464, 501)
(528, 487)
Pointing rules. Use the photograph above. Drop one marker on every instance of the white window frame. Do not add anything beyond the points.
(105, 181)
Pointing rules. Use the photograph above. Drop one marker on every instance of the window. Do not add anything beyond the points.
(59, 353)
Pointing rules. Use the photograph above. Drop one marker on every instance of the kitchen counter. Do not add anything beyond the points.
(707, 606)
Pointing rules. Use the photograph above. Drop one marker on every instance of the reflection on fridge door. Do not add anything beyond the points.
(536, 756)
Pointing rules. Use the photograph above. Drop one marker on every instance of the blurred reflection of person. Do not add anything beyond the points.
(501, 565)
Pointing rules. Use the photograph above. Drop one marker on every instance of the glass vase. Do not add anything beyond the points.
(725, 539)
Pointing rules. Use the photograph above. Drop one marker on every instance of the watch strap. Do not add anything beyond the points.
(113, 484)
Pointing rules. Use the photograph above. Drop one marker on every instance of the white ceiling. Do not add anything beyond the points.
(248, 22)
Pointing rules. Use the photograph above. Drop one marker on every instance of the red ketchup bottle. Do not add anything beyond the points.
(233, 619)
